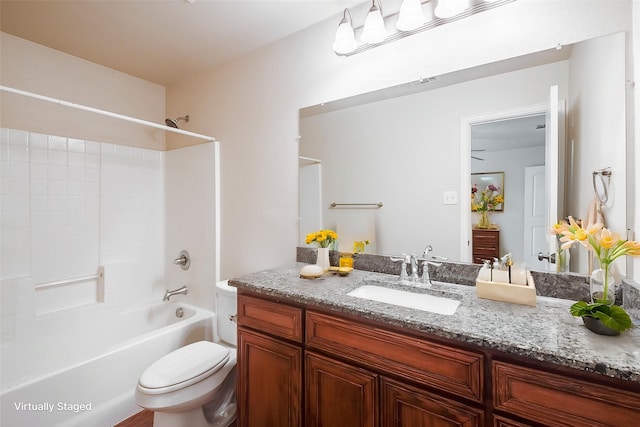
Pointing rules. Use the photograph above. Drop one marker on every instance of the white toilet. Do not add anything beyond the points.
(194, 386)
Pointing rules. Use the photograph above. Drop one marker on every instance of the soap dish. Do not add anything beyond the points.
(524, 294)
(311, 271)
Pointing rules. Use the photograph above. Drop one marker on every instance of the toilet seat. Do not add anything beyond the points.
(183, 367)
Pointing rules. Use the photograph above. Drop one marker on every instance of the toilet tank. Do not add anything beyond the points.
(226, 310)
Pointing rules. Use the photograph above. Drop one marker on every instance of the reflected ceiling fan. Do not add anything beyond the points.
(476, 157)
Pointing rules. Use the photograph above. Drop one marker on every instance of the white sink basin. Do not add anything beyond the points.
(418, 301)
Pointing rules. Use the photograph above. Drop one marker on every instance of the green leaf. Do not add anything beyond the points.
(579, 309)
(616, 318)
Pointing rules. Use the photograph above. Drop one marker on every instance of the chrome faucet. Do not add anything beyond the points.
(414, 263)
(168, 294)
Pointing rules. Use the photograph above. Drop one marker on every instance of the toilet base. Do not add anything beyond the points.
(192, 418)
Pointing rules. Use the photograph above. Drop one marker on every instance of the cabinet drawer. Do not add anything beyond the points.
(488, 240)
(446, 368)
(486, 235)
(555, 400)
(273, 318)
(403, 406)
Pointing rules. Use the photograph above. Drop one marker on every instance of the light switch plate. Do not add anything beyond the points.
(450, 198)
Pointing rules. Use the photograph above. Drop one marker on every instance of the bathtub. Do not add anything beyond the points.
(99, 390)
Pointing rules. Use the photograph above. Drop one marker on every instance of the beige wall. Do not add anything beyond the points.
(34, 68)
(251, 105)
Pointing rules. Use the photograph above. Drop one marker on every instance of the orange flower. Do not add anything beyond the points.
(608, 239)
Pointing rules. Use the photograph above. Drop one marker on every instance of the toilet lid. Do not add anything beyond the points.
(200, 359)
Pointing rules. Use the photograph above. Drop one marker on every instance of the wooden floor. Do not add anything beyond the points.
(141, 419)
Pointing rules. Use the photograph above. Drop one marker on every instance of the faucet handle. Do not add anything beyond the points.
(183, 260)
(405, 259)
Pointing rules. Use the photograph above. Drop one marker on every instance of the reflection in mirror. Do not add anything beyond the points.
(402, 146)
(515, 147)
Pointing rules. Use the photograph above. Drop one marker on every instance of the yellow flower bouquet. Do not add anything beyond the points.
(322, 238)
(606, 246)
(486, 201)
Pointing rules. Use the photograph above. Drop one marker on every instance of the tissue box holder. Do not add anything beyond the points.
(507, 292)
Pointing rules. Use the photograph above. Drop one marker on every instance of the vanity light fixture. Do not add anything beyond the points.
(410, 19)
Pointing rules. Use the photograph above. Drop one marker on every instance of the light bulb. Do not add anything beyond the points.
(374, 30)
(448, 8)
(410, 16)
(345, 41)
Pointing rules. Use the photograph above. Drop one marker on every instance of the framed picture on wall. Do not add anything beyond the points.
(487, 188)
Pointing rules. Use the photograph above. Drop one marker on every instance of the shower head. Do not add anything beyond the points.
(174, 123)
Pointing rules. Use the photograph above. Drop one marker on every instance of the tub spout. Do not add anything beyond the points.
(169, 294)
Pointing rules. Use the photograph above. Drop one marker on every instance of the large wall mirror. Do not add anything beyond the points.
(397, 163)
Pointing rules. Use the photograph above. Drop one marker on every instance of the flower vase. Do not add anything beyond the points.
(323, 259)
(563, 257)
(483, 221)
(602, 286)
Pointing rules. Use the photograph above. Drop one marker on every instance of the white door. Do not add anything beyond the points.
(553, 180)
(535, 224)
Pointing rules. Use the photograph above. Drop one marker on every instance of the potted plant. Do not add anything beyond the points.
(600, 315)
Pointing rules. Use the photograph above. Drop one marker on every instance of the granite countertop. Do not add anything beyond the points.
(546, 332)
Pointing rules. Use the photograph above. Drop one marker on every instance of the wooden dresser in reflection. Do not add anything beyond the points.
(485, 244)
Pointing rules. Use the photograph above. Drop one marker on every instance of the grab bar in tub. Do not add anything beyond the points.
(99, 276)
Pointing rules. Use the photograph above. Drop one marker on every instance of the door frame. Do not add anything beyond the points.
(465, 164)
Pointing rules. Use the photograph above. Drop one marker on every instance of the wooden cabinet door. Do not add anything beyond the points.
(557, 401)
(338, 394)
(269, 382)
(406, 406)
(499, 421)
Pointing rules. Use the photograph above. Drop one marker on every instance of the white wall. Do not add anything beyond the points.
(251, 104)
(191, 221)
(597, 132)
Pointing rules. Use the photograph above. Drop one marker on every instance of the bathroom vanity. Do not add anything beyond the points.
(311, 355)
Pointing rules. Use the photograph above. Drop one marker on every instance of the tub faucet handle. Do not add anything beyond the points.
(183, 260)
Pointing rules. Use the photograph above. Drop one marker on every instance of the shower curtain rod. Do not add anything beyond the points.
(105, 113)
